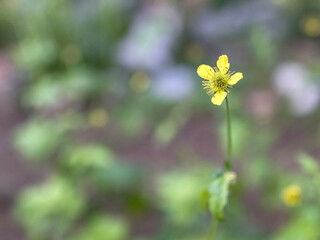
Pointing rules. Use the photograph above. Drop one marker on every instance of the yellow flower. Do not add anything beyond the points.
(291, 195)
(218, 80)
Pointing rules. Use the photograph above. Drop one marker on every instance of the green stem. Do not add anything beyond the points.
(213, 230)
(229, 142)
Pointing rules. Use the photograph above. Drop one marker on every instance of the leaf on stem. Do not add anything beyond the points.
(219, 191)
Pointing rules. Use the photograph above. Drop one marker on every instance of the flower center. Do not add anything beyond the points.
(219, 82)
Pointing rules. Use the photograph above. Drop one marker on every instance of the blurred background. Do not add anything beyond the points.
(106, 133)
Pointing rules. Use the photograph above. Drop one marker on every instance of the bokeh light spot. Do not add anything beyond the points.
(311, 26)
(70, 55)
(98, 117)
(139, 82)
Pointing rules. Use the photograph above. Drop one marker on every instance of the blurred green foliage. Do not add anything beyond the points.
(180, 194)
(38, 139)
(87, 158)
(49, 209)
(305, 221)
(102, 227)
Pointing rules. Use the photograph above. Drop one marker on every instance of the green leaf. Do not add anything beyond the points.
(219, 191)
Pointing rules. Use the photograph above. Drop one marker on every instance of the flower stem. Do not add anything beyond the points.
(213, 230)
(227, 163)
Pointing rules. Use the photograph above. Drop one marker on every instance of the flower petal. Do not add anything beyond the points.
(235, 78)
(218, 97)
(205, 71)
(223, 64)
